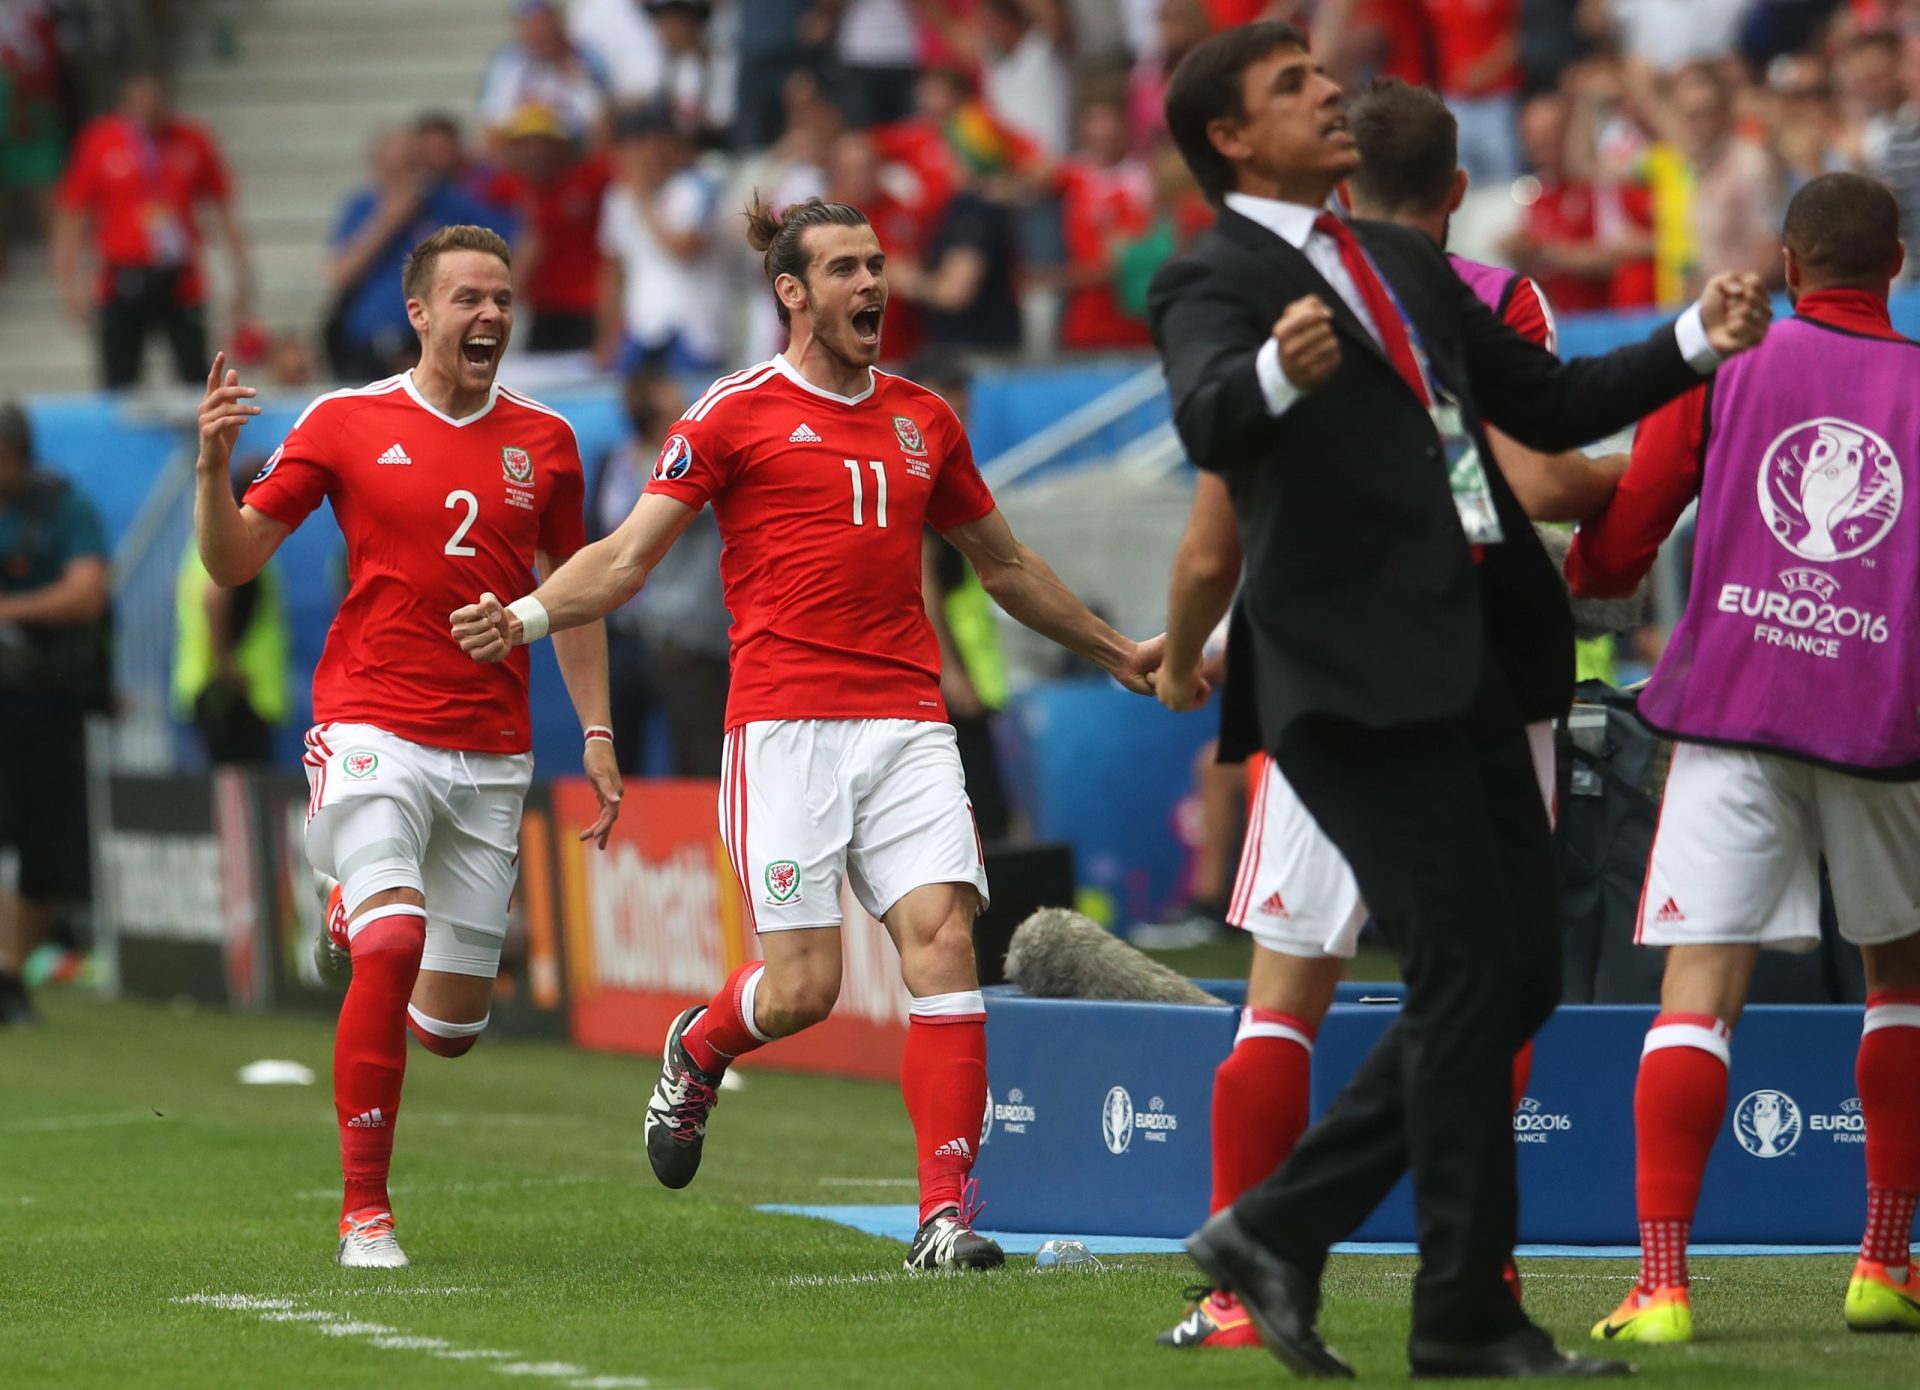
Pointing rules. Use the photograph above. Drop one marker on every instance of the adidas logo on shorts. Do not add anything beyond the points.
(1669, 912)
(1275, 905)
(803, 435)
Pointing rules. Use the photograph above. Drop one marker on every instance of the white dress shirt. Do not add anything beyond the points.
(1293, 224)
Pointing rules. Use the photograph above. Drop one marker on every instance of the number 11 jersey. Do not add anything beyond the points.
(822, 500)
(435, 511)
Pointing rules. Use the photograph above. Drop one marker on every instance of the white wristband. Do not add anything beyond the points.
(533, 618)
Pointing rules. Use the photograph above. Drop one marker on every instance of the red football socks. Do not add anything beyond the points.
(1260, 1096)
(1887, 1073)
(727, 1030)
(943, 1080)
(370, 1050)
(1677, 1105)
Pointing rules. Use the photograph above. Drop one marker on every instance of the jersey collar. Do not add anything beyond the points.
(493, 394)
(786, 369)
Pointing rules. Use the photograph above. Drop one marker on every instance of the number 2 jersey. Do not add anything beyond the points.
(435, 511)
(821, 501)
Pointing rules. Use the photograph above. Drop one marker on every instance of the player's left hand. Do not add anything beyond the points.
(486, 631)
(604, 773)
(1735, 311)
(1181, 691)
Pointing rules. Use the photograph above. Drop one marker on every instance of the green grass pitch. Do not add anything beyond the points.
(136, 1173)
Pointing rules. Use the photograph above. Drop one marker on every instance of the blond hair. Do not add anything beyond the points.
(417, 278)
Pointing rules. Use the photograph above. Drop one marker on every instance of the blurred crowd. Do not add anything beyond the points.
(1010, 152)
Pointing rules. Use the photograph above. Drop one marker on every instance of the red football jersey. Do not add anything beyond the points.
(821, 501)
(435, 511)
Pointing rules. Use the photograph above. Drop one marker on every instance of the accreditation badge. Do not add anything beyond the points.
(1466, 474)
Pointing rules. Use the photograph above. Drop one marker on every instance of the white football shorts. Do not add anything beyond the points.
(882, 802)
(1294, 891)
(385, 812)
(1736, 856)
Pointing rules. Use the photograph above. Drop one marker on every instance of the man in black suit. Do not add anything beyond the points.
(1399, 635)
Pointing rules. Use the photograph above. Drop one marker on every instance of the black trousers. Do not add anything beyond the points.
(1443, 825)
(140, 301)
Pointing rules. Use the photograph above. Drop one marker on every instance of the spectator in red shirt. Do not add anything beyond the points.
(1106, 196)
(1477, 51)
(1557, 241)
(555, 194)
(137, 180)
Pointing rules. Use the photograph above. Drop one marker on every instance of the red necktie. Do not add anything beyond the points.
(1380, 306)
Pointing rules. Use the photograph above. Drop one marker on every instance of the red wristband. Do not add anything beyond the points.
(599, 731)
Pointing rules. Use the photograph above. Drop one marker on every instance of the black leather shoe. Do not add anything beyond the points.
(1281, 1299)
(1528, 1352)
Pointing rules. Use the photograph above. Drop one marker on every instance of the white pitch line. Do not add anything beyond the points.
(287, 1311)
(237, 1302)
(869, 1182)
(552, 1370)
(53, 1123)
(828, 1281)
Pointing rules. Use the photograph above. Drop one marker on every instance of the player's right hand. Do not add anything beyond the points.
(1309, 348)
(486, 631)
(223, 410)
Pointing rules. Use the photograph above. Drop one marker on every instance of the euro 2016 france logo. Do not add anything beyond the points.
(1829, 489)
(1116, 1120)
(1767, 1123)
(676, 457)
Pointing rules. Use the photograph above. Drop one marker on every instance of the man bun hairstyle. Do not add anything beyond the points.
(417, 279)
(1206, 87)
(1845, 229)
(780, 237)
(1409, 147)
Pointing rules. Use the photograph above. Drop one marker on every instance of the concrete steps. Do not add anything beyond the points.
(294, 92)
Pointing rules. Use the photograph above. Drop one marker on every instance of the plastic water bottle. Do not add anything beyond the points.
(1057, 1254)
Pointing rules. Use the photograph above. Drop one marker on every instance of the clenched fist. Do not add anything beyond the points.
(486, 631)
(1735, 311)
(1309, 349)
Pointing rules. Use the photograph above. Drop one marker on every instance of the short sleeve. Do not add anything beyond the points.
(693, 465)
(299, 474)
(960, 494)
(1527, 314)
(563, 528)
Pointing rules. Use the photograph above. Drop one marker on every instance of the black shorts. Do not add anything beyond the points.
(43, 805)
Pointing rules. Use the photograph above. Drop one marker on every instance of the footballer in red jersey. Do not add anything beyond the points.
(1294, 893)
(442, 480)
(839, 762)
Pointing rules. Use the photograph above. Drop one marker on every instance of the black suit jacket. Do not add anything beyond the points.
(1362, 597)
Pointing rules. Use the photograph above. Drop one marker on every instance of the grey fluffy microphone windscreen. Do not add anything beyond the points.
(1061, 954)
(1595, 617)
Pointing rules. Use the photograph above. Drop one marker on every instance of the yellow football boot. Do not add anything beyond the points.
(1664, 1316)
(1876, 1303)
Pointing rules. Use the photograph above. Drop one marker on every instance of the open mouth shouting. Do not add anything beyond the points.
(866, 324)
(1336, 129)
(481, 349)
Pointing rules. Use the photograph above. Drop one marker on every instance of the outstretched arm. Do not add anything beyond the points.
(582, 654)
(1028, 589)
(595, 581)
(1206, 571)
